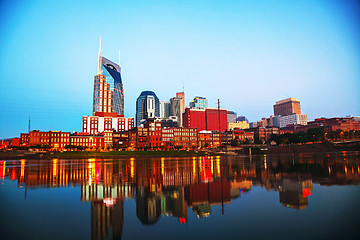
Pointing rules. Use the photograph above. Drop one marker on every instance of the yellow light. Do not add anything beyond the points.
(329, 169)
(4, 167)
(162, 166)
(132, 167)
(22, 168)
(345, 169)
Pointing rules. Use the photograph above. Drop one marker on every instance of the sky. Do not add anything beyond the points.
(248, 54)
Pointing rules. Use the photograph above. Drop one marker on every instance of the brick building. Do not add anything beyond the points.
(205, 119)
(333, 124)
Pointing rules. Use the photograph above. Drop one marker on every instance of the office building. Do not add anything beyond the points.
(164, 109)
(175, 108)
(242, 118)
(287, 107)
(231, 117)
(237, 125)
(108, 88)
(147, 106)
(293, 119)
(205, 119)
(199, 103)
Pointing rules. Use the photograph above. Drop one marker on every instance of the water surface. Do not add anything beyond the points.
(303, 196)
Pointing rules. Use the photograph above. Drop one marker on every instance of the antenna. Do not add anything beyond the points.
(29, 125)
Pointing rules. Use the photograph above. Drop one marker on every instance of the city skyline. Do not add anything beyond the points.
(240, 53)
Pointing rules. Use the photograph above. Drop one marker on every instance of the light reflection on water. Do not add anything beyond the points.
(207, 194)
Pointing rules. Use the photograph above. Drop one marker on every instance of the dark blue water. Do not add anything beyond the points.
(304, 196)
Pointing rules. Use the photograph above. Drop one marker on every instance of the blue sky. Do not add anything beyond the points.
(248, 54)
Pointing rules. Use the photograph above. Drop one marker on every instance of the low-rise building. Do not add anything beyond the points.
(238, 124)
(293, 119)
(106, 121)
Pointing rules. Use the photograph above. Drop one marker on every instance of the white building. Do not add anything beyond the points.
(106, 122)
(293, 119)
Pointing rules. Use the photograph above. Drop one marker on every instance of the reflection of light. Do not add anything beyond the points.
(182, 220)
(132, 167)
(91, 171)
(218, 165)
(162, 166)
(22, 161)
(54, 162)
(3, 169)
(329, 169)
(265, 162)
(194, 167)
(109, 201)
(306, 192)
(345, 169)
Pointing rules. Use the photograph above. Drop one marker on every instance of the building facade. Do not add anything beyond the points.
(293, 119)
(287, 107)
(238, 124)
(147, 106)
(205, 119)
(101, 122)
(199, 103)
(164, 109)
(231, 117)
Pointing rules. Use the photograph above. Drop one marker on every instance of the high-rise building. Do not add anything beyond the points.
(199, 103)
(175, 109)
(147, 106)
(242, 118)
(164, 109)
(231, 117)
(287, 107)
(181, 96)
(108, 87)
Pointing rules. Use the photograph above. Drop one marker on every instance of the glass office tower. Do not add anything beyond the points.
(147, 106)
(108, 87)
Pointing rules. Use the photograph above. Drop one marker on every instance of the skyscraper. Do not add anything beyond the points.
(147, 106)
(164, 109)
(108, 87)
(175, 109)
(199, 103)
(181, 96)
(287, 107)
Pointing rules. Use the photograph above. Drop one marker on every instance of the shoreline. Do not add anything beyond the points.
(273, 150)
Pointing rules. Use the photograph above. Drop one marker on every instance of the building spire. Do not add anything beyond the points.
(99, 70)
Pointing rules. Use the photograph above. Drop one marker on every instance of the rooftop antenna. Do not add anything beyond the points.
(99, 70)
(29, 125)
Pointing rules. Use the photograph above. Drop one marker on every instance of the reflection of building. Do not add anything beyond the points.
(294, 192)
(107, 220)
(148, 206)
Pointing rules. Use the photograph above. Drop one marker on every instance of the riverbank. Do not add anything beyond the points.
(22, 154)
(304, 148)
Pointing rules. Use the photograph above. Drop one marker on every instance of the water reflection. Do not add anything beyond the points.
(174, 186)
